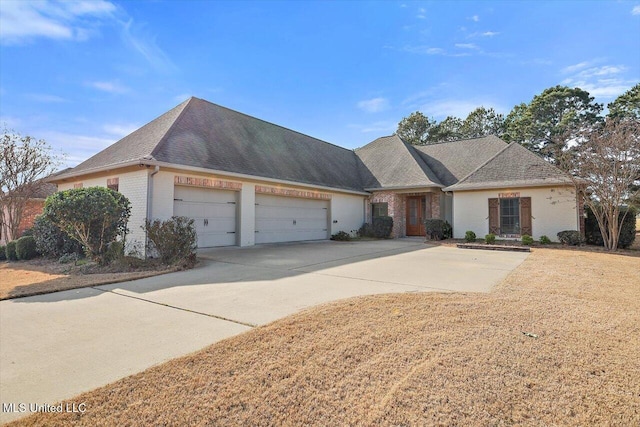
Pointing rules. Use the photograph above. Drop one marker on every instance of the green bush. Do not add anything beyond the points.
(437, 229)
(490, 239)
(26, 248)
(52, 242)
(382, 227)
(174, 240)
(94, 216)
(527, 240)
(10, 251)
(592, 233)
(470, 236)
(447, 230)
(3, 253)
(114, 252)
(545, 240)
(570, 237)
(366, 230)
(341, 236)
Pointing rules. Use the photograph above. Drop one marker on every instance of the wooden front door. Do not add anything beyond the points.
(415, 214)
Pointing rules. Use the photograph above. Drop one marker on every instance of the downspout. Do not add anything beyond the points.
(149, 201)
(150, 191)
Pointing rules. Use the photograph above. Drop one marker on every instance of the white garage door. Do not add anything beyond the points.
(214, 213)
(290, 219)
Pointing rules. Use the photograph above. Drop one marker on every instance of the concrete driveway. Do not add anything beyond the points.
(53, 347)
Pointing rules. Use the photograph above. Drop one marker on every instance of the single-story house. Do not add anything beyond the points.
(246, 181)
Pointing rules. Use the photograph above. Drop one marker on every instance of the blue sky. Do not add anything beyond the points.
(81, 75)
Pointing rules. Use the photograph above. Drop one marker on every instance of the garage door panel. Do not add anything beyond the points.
(290, 219)
(214, 213)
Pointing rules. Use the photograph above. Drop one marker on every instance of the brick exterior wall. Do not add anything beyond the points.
(31, 211)
(397, 208)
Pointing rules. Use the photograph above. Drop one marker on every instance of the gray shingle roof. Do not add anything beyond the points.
(202, 134)
(392, 163)
(513, 166)
(452, 161)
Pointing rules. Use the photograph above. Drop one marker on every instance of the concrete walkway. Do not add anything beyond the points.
(53, 347)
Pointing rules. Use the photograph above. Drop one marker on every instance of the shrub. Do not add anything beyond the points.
(342, 236)
(10, 251)
(26, 248)
(67, 258)
(437, 229)
(593, 236)
(545, 240)
(527, 240)
(490, 239)
(366, 230)
(94, 216)
(447, 230)
(52, 242)
(3, 252)
(114, 252)
(27, 232)
(570, 237)
(382, 227)
(470, 236)
(174, 240)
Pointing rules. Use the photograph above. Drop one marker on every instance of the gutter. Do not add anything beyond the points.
(150, 162)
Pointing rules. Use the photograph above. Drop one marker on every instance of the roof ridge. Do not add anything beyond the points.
(164, 136)
(421, 163)
(270, 123)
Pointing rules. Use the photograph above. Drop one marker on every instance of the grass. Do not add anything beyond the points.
(414, 359)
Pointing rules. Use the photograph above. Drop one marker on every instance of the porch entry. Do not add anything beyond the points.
(416, 214)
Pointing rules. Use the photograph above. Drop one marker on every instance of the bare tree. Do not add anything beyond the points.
(24, 161)
(606, 165)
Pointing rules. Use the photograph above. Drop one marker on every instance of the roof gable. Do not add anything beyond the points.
(513, 166)
(201, 134)
(452, 161)
(392, 163)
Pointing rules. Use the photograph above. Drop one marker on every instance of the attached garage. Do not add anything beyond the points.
(290, 219)
(214, 212)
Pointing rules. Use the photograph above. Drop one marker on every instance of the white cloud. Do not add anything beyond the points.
(635, 10)
(110, 87)
(466, 46)
(603, 81)
(25, 20)
(576, 67)
(424, 50)
(45, 98)
(139, 39)
(475, 18)
(119, 130)
(76, 147)
(422, 13)
(489, 33)
(374, 105)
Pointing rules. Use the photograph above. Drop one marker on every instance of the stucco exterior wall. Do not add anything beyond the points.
(553, 209)
(347, 212)
(133, 185)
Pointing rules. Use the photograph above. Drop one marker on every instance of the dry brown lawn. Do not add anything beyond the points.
(39, 276)
(414, 359)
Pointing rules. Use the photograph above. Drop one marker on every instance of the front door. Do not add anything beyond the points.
(415, 212)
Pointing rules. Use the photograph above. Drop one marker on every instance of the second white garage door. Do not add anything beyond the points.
(290, 219)
(213, 211)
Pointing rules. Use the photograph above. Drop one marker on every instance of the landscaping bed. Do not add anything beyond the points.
(554, 344)
(41, 276)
